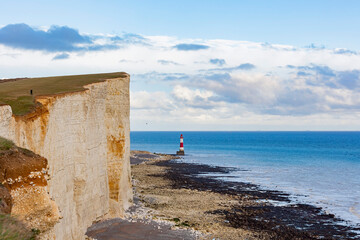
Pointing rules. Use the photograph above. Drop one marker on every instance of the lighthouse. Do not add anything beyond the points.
(181, 151)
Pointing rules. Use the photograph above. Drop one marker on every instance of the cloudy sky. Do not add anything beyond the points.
(200, 65)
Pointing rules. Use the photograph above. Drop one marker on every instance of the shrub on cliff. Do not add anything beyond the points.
(12, 229)
(5, 144)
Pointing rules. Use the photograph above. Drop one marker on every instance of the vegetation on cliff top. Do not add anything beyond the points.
(16, 92)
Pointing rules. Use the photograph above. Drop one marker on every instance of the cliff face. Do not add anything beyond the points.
(85, 137)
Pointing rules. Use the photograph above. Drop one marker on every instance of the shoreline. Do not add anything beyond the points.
(176, 193)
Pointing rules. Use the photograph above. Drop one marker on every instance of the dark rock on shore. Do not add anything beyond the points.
(276, 221)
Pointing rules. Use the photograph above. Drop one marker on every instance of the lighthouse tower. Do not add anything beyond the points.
(181, 151)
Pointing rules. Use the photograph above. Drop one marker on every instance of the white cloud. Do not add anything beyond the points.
(251, 88)
(150, 100)
(186, 94)
(180, 89)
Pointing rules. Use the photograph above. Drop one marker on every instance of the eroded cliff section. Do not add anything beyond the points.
(23, 187)
(85, 137)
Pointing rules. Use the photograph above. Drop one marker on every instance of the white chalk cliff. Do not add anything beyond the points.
(85, 137)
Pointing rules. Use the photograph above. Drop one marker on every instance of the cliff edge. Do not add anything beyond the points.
(84, 136)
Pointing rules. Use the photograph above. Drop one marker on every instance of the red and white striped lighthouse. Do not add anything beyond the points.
(181, 151)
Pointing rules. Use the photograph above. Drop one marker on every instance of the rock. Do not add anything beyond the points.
(5, 200)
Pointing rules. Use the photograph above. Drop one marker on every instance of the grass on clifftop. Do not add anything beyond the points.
(16, 93)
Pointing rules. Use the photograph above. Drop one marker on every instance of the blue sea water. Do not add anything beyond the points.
(320, 168)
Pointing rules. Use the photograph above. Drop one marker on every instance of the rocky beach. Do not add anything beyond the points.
(179, 200)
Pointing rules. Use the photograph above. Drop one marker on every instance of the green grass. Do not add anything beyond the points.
(178, 223)
(5, 144)
(17, 93)
(12, 229)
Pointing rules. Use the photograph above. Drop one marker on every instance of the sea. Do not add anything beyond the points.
(318, 168)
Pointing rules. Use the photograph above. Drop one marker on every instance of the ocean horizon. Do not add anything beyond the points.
(316, 167)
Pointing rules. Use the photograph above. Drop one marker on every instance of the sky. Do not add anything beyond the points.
(200, 65)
